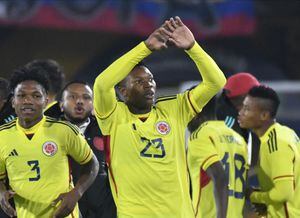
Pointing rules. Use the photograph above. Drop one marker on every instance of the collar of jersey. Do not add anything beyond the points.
(50, 105)
(32, 129)
(142, 115)
(266, 135)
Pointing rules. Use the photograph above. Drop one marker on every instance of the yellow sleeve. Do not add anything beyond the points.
(104, 93)
(281, 192)
(202, 151)
(282, 160)
(78, 148)
(213, 78)
(2, 169)
(282, 171)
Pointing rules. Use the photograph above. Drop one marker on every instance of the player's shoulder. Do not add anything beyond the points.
(166, 99)
(279, 137)
(8, 126)
(206, 128)
(62, 125)
(280, 133)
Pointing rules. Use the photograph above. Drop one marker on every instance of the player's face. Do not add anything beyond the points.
(250, 116)
(140, 89)
(77, 102)
(29, 101)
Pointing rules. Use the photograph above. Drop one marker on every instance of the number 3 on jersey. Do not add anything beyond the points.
(35, 167)
(237, 187)
(155, 144)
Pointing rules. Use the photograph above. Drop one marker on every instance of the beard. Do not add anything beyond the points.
(77, 120)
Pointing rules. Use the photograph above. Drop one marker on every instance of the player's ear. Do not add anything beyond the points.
(13, 102)
(61, 106)
(123, 91)
(265, 115)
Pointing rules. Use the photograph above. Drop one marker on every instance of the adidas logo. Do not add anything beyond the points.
(9, 118)
(13, 153)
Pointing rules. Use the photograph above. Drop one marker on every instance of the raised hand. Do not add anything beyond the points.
(158, 39)
(5, 205)
(68, 203)
(181, 36)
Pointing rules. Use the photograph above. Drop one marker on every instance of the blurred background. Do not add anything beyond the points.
(85, 36)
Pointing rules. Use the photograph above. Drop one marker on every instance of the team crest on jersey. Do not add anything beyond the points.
(49, 148)
(163, 127)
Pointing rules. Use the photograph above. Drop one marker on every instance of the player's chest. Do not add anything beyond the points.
(156, 139)
(38, 146)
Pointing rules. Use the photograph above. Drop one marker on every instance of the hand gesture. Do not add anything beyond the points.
(5, 205)
(68, 203)
(260, 209)
(181, 36)
(158, 39)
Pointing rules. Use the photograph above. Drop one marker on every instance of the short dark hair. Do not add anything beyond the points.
(54, 72)
(4, 88)
(25, 74)
(70, 83)
(269, 94)
(208, 113)
(123, 82)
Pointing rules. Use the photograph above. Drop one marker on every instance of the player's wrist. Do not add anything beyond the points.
(76, 193)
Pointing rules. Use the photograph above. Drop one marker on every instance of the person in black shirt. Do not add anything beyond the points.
(77, 105)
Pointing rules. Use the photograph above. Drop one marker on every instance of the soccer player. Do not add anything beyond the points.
(77, 105)
(56, 77)
(278, 166)
(147, 165)
(230, 102)
(217, 158)
(7, 113)
(34, 153)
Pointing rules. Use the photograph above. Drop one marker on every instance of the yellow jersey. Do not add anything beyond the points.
(147, 166)
(213, 141)
(38, 168)
(279, 160)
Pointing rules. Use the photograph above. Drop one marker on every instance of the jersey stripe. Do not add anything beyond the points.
(272, 141)
(73, 128)
(284, 176)
(87, 156)
(194, 109)
(166, 98)
(8, 125)
(110, 113)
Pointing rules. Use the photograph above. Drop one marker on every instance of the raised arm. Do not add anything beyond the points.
(213, 78)
(104, 93)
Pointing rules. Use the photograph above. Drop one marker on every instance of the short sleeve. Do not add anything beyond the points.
(202, 150)
(78, 149)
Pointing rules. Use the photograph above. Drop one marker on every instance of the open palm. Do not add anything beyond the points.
(182, 37)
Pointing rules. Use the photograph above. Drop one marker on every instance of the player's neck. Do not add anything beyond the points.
(264, 128)
(26, 124)
(136, 110)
